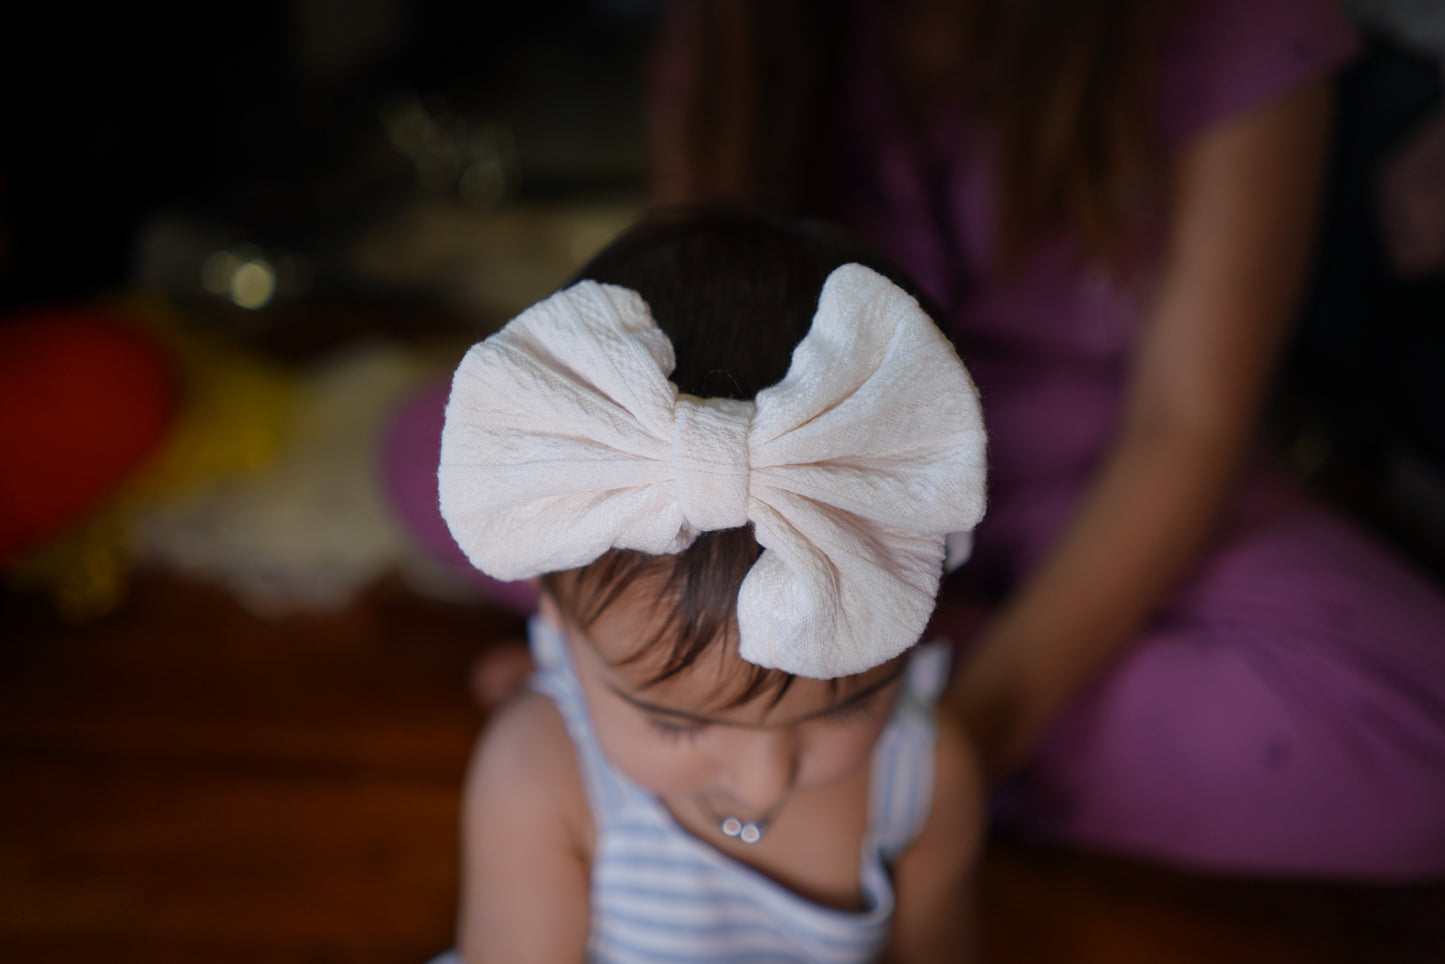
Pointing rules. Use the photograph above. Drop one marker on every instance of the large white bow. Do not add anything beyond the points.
(564, 439)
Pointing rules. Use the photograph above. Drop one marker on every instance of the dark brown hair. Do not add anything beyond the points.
(734, 290)
(749, 91)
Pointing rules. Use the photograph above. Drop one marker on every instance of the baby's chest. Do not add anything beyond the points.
(671, 896)
(811, 849)
(814, 852)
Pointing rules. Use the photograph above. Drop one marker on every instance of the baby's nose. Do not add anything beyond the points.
(763, 767)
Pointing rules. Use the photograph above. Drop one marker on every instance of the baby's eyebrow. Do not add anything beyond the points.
(851, 700)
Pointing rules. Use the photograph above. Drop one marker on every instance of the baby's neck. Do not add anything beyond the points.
(812, 845)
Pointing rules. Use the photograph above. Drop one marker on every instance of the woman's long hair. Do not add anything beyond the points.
(748, 104)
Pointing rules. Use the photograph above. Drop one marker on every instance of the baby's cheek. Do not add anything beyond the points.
(665, 767)
(836, 753)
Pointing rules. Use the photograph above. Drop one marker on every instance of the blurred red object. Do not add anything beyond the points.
(84, 398)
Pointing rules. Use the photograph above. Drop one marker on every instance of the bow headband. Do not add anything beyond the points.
(564, 438)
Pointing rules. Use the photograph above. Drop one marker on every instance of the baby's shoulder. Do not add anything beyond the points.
(958, 783)
(934, 878)
(525, 767)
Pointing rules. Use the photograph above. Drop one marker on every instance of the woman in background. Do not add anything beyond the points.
(1171, 651)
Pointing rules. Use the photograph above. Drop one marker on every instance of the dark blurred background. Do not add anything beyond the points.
(309, 202)
(234, 704)
(438, 162)
(137, 133)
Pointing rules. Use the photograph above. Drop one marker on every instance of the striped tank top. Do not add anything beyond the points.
(659, 894)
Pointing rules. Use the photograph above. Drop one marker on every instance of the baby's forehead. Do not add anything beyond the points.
(721, 683)
(636, 642)
(724, 688)
(639, 646)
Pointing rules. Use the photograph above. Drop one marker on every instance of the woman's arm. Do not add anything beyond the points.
(934, 917)
(1242, 216)
(525, 848)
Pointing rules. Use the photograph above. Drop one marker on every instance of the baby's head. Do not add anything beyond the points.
(734, 291)
(732, 453)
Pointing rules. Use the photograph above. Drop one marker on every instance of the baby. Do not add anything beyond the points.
(734, 457)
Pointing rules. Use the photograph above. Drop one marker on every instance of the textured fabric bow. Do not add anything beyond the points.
(564, 439)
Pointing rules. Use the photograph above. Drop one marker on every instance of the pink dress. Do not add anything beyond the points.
(1285, 711)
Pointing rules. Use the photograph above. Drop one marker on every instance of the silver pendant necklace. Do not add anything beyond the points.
(748, 831)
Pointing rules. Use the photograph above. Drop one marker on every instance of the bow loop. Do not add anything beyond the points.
(710, 461)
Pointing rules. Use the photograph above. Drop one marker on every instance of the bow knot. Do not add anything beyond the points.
(710, 461)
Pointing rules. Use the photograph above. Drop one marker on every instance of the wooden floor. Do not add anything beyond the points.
(182, 782)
